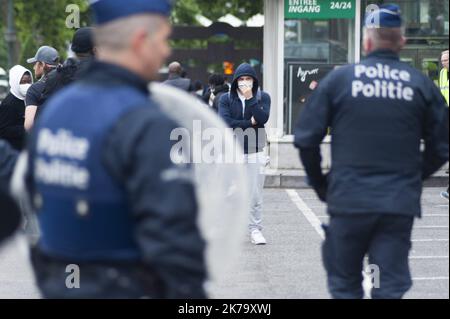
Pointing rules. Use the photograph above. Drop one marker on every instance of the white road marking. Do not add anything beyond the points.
(427, 240)
(431, 227)
(428, 257)
(435, 215)
(306, 211)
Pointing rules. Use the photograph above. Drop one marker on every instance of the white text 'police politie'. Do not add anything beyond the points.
(385, 82)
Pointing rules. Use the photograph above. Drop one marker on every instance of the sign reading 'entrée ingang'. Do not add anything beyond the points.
(319, 9)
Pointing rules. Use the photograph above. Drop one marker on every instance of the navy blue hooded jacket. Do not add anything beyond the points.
(258, 107)
(378, 111)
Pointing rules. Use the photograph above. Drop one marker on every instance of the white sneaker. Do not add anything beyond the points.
(257, 238)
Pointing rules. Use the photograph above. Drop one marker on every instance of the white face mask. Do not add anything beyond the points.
(245, 84)
(23, 89)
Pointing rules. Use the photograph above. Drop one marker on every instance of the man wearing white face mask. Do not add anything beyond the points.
(246, 109)
(12, 109)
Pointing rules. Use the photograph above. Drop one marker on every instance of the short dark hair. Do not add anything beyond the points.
(216, 79)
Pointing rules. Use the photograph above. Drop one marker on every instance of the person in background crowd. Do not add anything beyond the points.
(217, 88)
(443, 76)
(247, 108)
(175, 78)
(45, 61)
(444, 86)
(72, 69)
(12, 108)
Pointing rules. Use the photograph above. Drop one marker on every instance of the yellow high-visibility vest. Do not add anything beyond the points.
(443, 84)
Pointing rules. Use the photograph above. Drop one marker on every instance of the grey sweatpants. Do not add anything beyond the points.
(256, 164)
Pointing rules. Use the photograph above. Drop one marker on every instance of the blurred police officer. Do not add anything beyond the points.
(109, 199)
(379, 110)
(9, 213)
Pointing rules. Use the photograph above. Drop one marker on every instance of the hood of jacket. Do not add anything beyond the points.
(15, 75)
(245, 69)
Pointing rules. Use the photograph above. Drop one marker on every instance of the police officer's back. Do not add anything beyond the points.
(108, 197)
(378, 110)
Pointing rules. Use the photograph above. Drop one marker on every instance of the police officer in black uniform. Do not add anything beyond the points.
(109, 199)
(379, 111)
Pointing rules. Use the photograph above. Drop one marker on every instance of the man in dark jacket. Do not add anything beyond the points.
(246, 109)
(45, 61)
(175, 78)
(218, 88)
(379, 110)
(71, 70)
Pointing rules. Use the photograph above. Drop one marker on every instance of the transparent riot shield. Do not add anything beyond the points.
(220, 175)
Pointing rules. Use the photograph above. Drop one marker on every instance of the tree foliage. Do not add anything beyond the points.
(186, 10)
(43, 22)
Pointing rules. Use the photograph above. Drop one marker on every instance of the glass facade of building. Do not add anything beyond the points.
(313, 47)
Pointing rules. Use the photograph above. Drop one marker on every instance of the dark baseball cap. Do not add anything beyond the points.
(82, 41)
(45, 54)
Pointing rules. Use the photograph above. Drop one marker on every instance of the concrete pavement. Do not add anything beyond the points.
(290, 265)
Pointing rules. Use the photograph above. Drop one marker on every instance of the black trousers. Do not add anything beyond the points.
(386, 239)
(9, 216)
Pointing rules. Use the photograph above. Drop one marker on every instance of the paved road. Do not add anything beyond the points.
(290, 265)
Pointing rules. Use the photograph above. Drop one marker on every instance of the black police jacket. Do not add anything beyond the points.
(379, 111)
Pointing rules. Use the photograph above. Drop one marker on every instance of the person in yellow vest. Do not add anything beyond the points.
(443, 84)
(443, 77)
